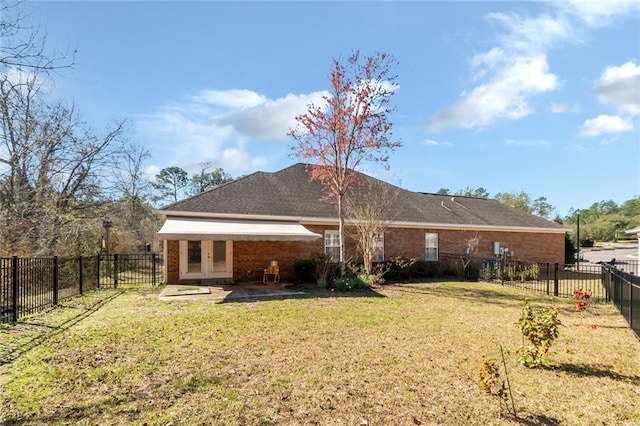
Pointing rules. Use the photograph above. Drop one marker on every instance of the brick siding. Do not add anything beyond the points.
(251, 257)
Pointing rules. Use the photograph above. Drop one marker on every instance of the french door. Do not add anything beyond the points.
(206, 259)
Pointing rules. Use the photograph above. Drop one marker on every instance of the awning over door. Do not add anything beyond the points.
(236, 230)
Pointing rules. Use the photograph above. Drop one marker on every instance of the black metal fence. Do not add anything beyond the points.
(545, 278)
(624, 291)
(29, 285)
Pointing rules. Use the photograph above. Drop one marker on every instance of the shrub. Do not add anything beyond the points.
(491, 382)
(540, 327)
(305, 270)
(418, 269)
(349, 283)
(326, 271)
(582, 300)
(530, 272)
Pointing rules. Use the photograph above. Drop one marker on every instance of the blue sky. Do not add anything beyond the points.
(510, 96)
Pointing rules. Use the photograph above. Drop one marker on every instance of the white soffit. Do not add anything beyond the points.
(237, 230)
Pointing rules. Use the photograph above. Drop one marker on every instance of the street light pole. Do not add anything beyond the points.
(578, 241)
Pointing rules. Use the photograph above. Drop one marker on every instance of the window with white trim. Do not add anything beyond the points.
(332, 244)
(431, 246)
(378, 254)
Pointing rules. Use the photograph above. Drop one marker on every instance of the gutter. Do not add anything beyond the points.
(303, 220)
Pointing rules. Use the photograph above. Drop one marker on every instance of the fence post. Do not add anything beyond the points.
(547, 275)
(98, 268)
(630, 303)
(606, 282)
(55, 280)
(80, 283)
(555, 279)
(153, 269)
(115, 271)
(14, 289)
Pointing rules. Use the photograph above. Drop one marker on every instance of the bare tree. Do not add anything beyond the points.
(132, 191)
(370, 207)
(23, 46)
(50, 163)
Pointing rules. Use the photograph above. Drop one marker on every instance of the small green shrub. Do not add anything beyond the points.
(510, 272)
(540, 327)
(489, 272)
(531, 272)
(349, 283)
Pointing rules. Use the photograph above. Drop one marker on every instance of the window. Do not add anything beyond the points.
(431, 246)
(378, 254)
(332, 245)
(194, 256)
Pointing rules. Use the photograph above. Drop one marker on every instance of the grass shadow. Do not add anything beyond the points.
(32, 333)
(471, 292)
(593, 370)
(535, 420)
(298, 291)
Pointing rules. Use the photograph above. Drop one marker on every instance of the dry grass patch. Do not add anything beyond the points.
(406, 354)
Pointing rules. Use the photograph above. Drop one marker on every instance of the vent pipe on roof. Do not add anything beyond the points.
(459, 203)
(442, 204)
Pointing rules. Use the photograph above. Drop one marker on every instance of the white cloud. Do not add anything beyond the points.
(237, 99)
(620, 87)
(431, 142)
(504, 96)
(561, 108)
(596, 13)
(603, 124)
(216, 126)
(26, 80)
(239, 159)
(151, 171)
(271, 119)
(522, 46)
(532, 35)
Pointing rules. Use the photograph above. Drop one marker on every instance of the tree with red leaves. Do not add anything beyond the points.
(350, 127)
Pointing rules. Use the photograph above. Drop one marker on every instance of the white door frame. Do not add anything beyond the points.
(206, 261)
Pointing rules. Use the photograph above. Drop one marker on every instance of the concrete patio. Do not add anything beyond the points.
(228, 292)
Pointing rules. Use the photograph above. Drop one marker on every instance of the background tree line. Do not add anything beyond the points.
(519, 200)
(602, 221)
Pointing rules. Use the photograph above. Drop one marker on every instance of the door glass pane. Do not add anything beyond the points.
(194, 256)
(219, 256)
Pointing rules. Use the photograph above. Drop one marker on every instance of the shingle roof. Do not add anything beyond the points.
(290, 192)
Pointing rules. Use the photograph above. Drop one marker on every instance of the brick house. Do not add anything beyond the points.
(231, 232)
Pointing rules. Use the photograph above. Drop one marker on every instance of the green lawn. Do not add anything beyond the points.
(403, 354)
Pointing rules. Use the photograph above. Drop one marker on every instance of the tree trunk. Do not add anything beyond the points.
(341, 232)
